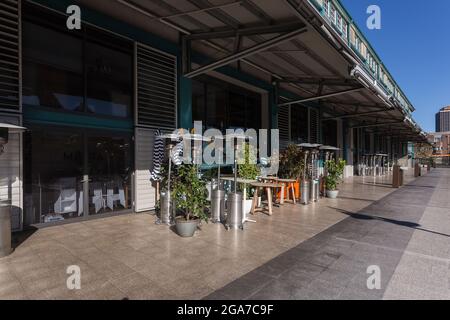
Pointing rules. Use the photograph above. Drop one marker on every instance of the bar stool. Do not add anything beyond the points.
(288, 184)
(274, 180)
(267, 187)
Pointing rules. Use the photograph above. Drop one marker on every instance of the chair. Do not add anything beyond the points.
(67, 199)
(97, 199)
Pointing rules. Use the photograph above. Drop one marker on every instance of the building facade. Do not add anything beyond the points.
(443, 120)
(92, 98)
(440, 142)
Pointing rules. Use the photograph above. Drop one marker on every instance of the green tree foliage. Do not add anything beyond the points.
(335, 170)
(190, 192)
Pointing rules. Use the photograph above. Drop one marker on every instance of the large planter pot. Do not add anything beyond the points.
(185, 228)
(247, 206)
(297, 189)
(332, 194)
(287, 191)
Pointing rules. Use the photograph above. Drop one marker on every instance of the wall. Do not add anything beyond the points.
(11, 172)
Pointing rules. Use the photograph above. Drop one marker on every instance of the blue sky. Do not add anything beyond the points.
(414, 44)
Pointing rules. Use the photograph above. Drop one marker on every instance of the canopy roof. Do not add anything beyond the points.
(310, 49)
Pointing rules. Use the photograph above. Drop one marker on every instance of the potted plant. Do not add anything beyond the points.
(190, 195)
(335, 170)
(248, 170)
(291, 166)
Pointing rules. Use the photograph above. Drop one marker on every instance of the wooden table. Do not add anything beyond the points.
(261, 186)
(284, 183)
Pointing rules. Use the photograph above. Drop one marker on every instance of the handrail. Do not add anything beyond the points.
(338, 18)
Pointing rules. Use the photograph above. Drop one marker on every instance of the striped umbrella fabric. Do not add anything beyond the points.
(158, 157)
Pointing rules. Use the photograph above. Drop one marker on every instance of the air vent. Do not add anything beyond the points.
(9, 55)
(284, 125)
(314, 124)
(156, 89)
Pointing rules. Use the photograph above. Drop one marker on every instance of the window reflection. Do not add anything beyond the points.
(108, 81)
(92, 73)
(63, 182)
(52, 69)
(299, 124)
(221, 105)
(56, 165)
(110, 174)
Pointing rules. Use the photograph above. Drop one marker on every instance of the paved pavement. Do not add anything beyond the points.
(406, 234)
(312, 252)
(129, 256)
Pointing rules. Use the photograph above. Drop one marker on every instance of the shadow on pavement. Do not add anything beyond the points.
(408, 224)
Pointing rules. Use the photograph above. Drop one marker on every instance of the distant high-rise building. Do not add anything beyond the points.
(443, 120)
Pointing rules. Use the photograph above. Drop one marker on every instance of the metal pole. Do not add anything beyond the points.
(245, 53)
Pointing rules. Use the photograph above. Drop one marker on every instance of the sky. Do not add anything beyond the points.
(414, 45)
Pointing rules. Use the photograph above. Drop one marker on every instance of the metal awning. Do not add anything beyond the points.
(283, 42)
(12, 128)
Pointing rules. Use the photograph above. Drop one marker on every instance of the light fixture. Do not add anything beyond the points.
(5, 130)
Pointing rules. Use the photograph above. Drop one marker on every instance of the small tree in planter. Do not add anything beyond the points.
(190, 196)
(248, 170)
(335, 170)
(292, 165)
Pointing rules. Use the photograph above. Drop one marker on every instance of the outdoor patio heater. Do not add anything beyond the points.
(315, 180)
(382, 164)
(218, 213)
(362, 166)
(235, 212)
(166, 205)
(310, 185)
(5, 205)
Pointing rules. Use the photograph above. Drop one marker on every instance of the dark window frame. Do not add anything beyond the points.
(208, 83)
(43, 17)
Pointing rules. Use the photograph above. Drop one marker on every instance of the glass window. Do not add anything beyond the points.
(109, 81)
(52, 74)
(70, 173)
(329, 133)
(198, 101)
(216, 102)
(55, 164)
(83, 71)
(236, 113)
(110, 167)
(299, 124)
(225, 105)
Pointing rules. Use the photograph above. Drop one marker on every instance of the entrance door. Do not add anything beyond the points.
(71, 173)
(55, 168)
(109, 173)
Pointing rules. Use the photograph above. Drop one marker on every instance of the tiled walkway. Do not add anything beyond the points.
(131, 257)
(406, 234)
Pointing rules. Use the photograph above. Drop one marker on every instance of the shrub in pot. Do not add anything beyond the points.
(291, 166)
(248, 169)
(190, 195)
(335, 170)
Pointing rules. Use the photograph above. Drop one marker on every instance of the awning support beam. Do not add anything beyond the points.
(231, 33)
(321, 96)
(356, 114)
(245, 53)
(376, 125)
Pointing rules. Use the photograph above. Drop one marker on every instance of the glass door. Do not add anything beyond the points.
(56, 170)
(71, 173)
(109, 169)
